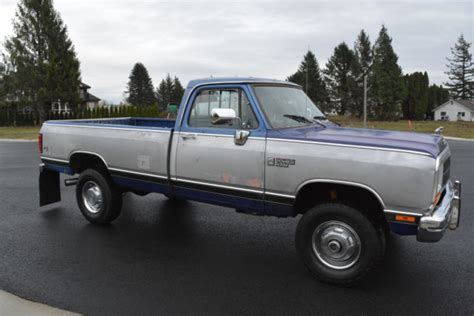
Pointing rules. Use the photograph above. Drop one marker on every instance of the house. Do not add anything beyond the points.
(88, 101)
(455, 110)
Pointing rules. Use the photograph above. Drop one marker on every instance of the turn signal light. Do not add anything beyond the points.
(40, 143)
(404, 218)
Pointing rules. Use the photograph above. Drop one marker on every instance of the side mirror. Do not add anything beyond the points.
(222, 116)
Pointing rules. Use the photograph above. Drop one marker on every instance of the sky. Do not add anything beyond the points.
(196, 39)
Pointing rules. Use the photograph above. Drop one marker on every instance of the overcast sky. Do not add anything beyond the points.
(196, 39)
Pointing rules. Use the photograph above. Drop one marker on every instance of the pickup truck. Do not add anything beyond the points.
(263, 147)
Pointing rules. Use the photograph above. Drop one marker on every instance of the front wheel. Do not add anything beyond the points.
(338, 243)
(98, 198)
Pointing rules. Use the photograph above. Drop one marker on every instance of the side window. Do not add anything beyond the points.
(235, 99)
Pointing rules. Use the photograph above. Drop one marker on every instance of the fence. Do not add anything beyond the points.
(13, 118)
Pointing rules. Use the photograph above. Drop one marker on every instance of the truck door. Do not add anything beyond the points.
(210, 165)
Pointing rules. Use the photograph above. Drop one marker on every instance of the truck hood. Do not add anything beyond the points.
(423, 143)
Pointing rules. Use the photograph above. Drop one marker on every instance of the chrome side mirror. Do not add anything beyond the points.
(222, 116)
(241, 136)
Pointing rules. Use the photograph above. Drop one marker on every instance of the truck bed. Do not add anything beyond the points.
(136, 122)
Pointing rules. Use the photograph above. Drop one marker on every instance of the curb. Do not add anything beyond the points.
(459, 138)
(14, 305)
(12, 140)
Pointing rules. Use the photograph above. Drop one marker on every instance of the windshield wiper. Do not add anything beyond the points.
(298, 118)
(319, 118)
(323, 118)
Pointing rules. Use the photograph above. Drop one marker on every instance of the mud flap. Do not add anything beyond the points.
(49, 186)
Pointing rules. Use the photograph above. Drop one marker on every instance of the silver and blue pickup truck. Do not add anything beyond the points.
(262, 147)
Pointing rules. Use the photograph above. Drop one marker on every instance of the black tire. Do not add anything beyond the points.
(111, 197)
(329, 222)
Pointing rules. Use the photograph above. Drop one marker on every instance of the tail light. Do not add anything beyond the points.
(40, 143)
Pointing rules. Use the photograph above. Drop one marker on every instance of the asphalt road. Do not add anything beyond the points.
(192, 258)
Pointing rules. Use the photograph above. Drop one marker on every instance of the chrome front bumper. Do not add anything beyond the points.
(446, 215)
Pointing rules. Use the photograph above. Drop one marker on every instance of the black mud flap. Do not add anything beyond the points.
(49, 186)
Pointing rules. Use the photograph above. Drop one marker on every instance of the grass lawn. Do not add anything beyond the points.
(19, 132)
(453, 129)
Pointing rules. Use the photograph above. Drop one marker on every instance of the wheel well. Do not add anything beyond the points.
(361, 198)
(82, 161)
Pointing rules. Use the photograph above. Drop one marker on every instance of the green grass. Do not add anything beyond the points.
(19, 132)
(453, 129)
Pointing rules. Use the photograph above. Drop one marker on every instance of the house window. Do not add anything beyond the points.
(461, 114)
(443, 113)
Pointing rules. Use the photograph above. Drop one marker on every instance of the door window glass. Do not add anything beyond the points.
(235, 99)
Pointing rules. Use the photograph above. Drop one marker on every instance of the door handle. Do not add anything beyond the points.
(188, 136)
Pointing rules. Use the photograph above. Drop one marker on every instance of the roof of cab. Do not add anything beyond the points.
(198, 82)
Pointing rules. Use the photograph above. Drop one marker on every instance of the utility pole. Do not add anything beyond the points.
(365, 101)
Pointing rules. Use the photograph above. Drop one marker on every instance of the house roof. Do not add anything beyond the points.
(466, 103)
(82, 85)
(90, 98)
(197, 82)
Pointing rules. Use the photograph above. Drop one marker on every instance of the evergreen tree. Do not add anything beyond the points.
(164, 92)
(310, 78)
(362, 67)
(416, 100)
(140, 87)
(341, 82)
(461, 71)
(437, 95)
(178, 91)
(42, 66)
(363, 52)
(387, 89)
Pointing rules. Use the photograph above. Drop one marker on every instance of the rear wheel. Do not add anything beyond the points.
(338, 243)
(98, 198)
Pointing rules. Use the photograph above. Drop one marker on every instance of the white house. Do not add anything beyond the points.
(455, 110)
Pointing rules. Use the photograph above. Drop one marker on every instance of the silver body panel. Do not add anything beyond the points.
(136, 150)
(217, 159)
(402, 181)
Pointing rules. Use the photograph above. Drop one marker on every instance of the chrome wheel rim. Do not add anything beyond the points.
(336, 245)
(92, 197)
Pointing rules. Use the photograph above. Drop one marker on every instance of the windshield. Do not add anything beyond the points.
(286, 106)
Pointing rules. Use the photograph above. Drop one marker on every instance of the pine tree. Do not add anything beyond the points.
(341, 82)
(387, 89)
(461, 71)
(164, 92)
(415, 103)
(310, 78)
(42, 66)
(140, 87)
(437, 95)
(362, 67)
(178, 91)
